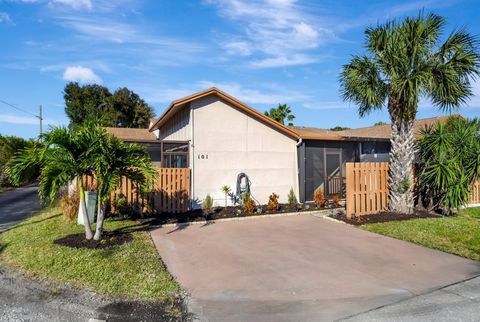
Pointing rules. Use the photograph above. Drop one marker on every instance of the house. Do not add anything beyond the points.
(225, 142)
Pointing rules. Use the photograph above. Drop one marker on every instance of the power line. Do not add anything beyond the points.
(18, 108)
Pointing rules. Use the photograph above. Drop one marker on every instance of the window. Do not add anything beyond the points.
(175, 155)
(375, 147)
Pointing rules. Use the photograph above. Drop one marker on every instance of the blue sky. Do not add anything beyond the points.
(263, 52)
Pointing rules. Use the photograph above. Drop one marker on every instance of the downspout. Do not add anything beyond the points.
(300, 141)
(192, 177)
(297, 160)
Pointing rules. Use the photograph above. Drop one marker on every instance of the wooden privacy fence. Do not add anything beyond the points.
(475, 194)
(366, 187)
(170, 194)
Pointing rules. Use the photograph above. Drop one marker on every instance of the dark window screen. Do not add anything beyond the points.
(175, 161)
(314, 170)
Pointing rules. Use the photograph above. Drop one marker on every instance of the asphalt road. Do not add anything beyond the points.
(458, 302)
(17, 205)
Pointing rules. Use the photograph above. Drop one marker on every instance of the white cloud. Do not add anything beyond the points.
(280, 30)
(81, 74)
(272, 95)
(5, 18)
(281, 61)
(74, 4)
(241, 48)
(268, 94)
(120, 33)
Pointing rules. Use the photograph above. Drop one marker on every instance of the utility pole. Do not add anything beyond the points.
(40, 117)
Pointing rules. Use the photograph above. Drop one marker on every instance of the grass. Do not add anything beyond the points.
(458, 235)
(132, 270)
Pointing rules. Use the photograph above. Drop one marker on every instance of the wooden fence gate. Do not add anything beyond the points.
(170, 194)
(366, 187)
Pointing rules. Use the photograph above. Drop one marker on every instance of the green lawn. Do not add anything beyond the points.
(458, 235)
(132, 270)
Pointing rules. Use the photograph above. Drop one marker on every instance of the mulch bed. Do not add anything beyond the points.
(380, 217)
(109, 239)
(225, 212)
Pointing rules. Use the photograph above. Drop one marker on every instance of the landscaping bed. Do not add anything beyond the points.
(229, 212)
(125, 264)
(380, 217)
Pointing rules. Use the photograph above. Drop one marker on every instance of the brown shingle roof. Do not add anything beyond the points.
(132, 135)
(377, 132)
(177, 104)
(313, 133)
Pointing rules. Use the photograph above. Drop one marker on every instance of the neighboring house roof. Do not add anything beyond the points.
(313, 133)
(376, 132)
(132, 135)
(178, 104)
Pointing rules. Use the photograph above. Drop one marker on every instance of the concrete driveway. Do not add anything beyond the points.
(299, 268)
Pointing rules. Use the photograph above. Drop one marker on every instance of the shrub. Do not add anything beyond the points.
(248, 204)
(122, 206)
(292, 199)
(273, 204)
(207, 204)
(337, 200)
(69, 206)
(449, 163)
(319, 199)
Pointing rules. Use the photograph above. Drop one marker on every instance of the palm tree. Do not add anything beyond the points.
(405, 62)
(226, 190)
(281, 113)
(113, 160)
(62, 158)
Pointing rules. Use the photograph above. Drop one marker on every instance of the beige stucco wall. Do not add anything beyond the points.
(232, 142)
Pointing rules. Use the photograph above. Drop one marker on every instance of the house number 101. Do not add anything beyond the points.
(203, 156)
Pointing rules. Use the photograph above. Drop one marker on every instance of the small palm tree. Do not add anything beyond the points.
(62, 158)
(280, 113)
(407, 61)
(113, 160)
(226, 190)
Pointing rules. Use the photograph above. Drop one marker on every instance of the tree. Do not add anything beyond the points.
(281, 113)
(113, 160)
(406, 61)
(379, 123)
(123, 108)
(339, 128)
(9, 145)
(63, 157)
(446, 173)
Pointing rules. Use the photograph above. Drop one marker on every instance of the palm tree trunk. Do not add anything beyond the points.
(86, 221)
(401, 179)
(100, 218)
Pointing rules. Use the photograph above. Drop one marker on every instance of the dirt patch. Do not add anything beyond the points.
(125, 311)
(380, 217)
(109, 239)
(25, 299)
